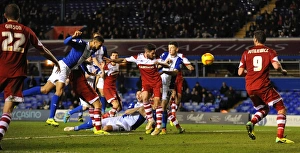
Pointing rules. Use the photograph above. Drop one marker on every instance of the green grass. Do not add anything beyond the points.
(199, 138)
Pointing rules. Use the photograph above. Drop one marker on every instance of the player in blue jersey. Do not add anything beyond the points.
(80, 51)
(89, 69)
(133, 117)
(168, 77)
(97, 60)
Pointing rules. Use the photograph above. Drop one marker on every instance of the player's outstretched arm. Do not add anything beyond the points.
(187, 64)
(47, 54)
(76, 34)
(165, 65)
(277, 66)
(102, 75)
(133, 110)
(119, 60)
(190, 67)
(141, 110)
(242, 72)
(173, 73)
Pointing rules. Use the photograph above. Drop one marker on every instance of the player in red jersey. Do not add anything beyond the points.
(110, 75)
(255, 66)
(177, 91)
(15, 40)
(151, 84)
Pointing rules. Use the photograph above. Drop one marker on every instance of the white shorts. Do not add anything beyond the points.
(100, 83)
(121, 122)
(165, 91)
(115, 123)
(83, 103)
(62, 76)
(166, 80)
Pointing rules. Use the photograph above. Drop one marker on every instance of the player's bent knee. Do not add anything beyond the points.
(58, 92)
(119, 108)
(279, 106)
(164, 107)
(44, 90)
(265, 110)
(154, 106)
(85, 108)
(282, 111)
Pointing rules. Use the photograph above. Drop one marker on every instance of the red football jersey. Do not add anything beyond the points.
(257, 61)
(15, 40)
(147, 67)
(112, 72)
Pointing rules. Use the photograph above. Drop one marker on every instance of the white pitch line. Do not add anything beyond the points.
(133, 133)
(224, 131)
(63, 136)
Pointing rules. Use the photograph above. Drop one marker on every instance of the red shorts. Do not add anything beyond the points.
(12, 88)
(154, 89)
(81, 87)
(111, 94)
(266, 96)
(178, 85)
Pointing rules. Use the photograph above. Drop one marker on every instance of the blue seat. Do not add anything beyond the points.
(21, 106)
(65, 104)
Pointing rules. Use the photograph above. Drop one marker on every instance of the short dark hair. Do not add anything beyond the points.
(12, 11)
(97, 33)
(99, 38)
(260, 36)
(150, 47)
(114, 52)
(175, 43)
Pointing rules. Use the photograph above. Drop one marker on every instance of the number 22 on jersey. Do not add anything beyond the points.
(13, 41)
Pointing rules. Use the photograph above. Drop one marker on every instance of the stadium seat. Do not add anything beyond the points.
(194, 104)
(211, 108)
(65, 104)
(28, 105)
(21, 106)
(45, 97)
(208, 104)
(197, 108)
(190, 108)
(187, 104)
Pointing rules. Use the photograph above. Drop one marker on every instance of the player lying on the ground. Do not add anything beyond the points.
(133, 117)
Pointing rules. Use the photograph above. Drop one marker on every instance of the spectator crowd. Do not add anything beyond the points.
(223, 99)
(282, 22)
(137, 19)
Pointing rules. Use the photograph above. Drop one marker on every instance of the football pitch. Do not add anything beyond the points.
(28, 136)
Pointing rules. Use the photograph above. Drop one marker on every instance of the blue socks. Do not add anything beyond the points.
(154, 114)
(154, 117)
(86, 125)
(76, 110)
(54, 102)
(164, 119)
(32, 91)
(103, 102)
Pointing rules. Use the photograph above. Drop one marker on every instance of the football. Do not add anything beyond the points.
(207, 59)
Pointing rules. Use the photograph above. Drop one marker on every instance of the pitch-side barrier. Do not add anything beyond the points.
(183, 117)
